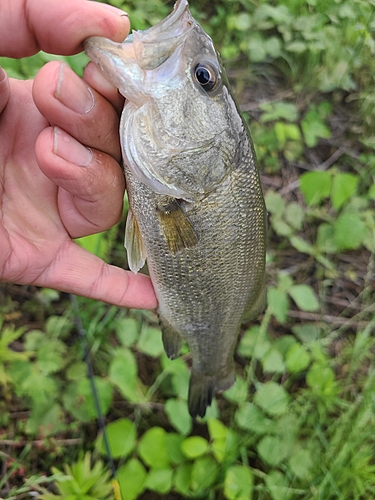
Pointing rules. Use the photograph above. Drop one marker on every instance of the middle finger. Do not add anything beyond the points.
(67, 101)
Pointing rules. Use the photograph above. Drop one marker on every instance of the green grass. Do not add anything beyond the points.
(298, 424)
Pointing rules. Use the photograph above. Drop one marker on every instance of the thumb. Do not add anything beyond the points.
(77, 271)
(4, 89)
(57, 27)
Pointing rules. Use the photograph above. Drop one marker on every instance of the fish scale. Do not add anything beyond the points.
(197, 212)
(205, 289)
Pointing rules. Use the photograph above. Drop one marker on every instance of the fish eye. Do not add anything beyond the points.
(206, 76)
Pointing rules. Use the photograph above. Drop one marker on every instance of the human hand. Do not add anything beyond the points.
(60, 176)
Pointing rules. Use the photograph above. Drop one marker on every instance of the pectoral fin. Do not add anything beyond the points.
(177, 228)
(134, 244)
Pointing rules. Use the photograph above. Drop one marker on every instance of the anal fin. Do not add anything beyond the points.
(134, 244)
(177, 228)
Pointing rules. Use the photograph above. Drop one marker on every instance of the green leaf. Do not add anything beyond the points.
(238, 393)
(292, 132)
(256, 48)
(178, 415)
(301, 464)
(262, 346)
(46, 419)
(78, 398)
(173, 445)
(273, 46)
(122, 436)
(272, 398)
(131, 477)
(350, 231)
(182, 479)
(51, 356)
(305, 298)
(34, 339)
(284, 343)
(203, 474)
(284, 281)
(279, 110)
(278, 303)
(315, 186)
(294, 215)
(314, 128)
(297, 359)
(123, 374)
(94, 243)
(150, 342)
(280, 14)
(273, 362)
(248, 342)
(153, 449)
(302, 245)
(344, 186)
(272, 450)
(76, 371)
(159, 480)
(216, 429)
(274, 202)
(58, 326)
(325, 241)
(179, 375)
(321, 379)
(83, 481)
(12, 67)
(297, 46)
(249, 417)
(194, 446)
(77, 62)
(371, 192)
(238, 483)
(278, 485)
(127, 331)
(281, 227)
(306, 332)
(123, 357)
(241, 22)
(224, 441)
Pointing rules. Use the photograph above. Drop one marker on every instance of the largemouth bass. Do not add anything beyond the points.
(197, 212)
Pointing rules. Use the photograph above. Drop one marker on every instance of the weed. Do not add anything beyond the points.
(297, 424)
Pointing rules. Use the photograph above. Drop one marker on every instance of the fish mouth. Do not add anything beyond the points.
(153, 46)
(124, 64)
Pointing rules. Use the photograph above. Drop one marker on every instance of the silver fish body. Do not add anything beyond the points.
(197, 211)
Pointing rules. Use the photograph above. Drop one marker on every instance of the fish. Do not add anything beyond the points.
(197, 212)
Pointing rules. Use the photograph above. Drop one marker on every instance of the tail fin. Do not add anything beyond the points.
(202, 389)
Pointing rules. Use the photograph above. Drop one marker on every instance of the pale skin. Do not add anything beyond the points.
(60, 174)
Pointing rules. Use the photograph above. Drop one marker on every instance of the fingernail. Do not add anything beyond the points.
(72, 92)
(113, 9)
(2, 74)
(69, 149)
